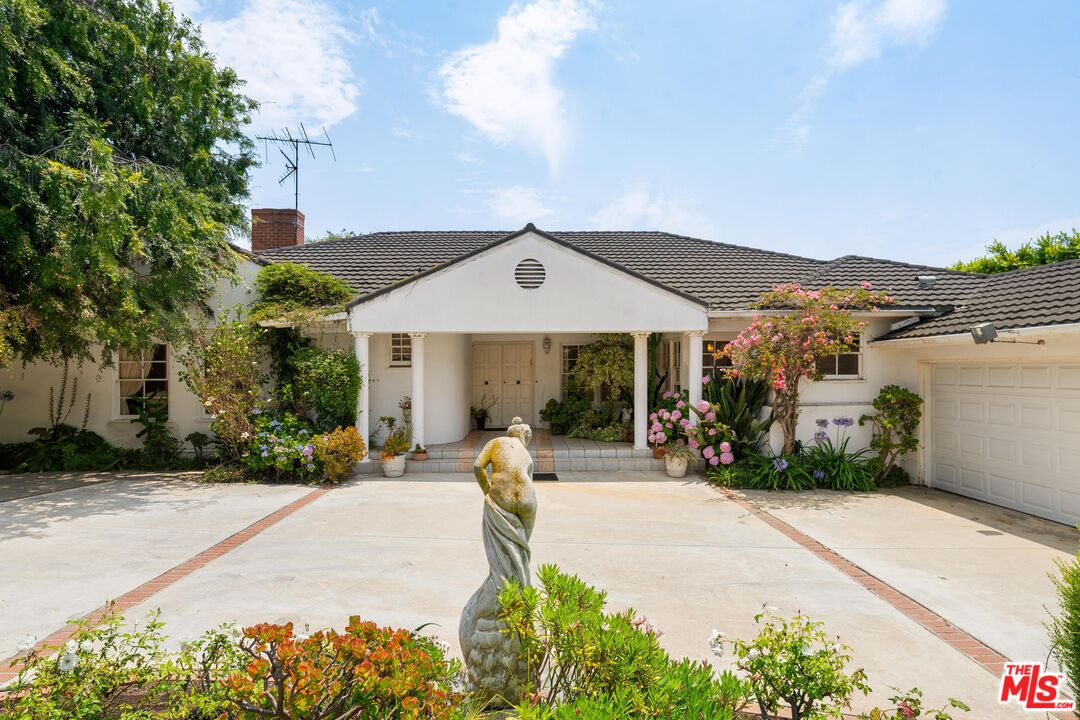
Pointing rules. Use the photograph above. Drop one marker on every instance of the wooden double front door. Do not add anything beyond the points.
(503, 379)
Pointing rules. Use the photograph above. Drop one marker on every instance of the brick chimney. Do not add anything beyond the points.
(274, 228)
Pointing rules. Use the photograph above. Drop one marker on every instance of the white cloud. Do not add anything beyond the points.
(468, 158)
(506, 86)
(292, 55)
(862, 31)
(518, 204)
(640, 208)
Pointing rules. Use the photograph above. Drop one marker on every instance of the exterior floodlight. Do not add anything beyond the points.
(984, 333)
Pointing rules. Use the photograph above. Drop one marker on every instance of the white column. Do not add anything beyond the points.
(641, 390)
(693, 348)
(361, 342)
(418, 387)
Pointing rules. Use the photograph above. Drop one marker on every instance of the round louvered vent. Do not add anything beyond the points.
(530, 274)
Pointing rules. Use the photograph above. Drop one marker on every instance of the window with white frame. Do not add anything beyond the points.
(141, 374)
(709, 361)
(400, 350)
(674, 358)
(843, 365)
(569, 360)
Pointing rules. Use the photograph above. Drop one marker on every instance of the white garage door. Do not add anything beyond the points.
(1008, 434)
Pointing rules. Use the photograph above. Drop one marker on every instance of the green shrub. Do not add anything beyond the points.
(580, 656)
(104, 672)
(564, 415)
(792, 663)
(737, 404)
(325, 386)
(896, 426)
(909, 706)
(160, 446)
(778, 472)
(1063, 628)
(282, 448)
(832, 466)
(734, 475)
(223, 368)
(895, 477)
(606, 364)
(339, 451)
(291, 291)
(366, 672)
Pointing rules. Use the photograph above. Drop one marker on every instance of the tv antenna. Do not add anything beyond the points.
(285, 140)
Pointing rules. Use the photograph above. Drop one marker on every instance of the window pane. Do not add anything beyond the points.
(827, 365)
(847, 364)
(141, 374)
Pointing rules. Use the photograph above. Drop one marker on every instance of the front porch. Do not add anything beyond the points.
(551, 454)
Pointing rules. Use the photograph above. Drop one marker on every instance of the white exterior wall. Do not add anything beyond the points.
(31, 384)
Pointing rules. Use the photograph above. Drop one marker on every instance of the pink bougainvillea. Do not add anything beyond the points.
(803, 327)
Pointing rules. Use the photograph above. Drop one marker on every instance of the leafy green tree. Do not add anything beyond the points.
(122, 169)
(606, 363)
(1040, 251)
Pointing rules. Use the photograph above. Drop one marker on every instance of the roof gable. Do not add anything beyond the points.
(482, 292)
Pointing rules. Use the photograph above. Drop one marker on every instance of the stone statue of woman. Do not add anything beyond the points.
(495, 670)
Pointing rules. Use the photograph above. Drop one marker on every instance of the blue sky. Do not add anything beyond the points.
(917, 130)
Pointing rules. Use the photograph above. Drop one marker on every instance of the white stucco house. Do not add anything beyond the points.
(455, 318)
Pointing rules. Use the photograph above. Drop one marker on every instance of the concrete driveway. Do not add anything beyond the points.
(409, 552)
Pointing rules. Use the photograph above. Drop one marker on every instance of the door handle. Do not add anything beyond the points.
(518, 382)
(485, 382)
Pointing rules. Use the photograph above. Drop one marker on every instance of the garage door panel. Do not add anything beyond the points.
(1034, 376)
(1038, 417)
(971, 376)
(1038, 495)
(972, 445)
(969, 410)
(1003, 450)
(1008, 434)
(1002, 488)
(999, 414)
(1069, 420)
(1069, 377)
(973, 479)
(1070, 504)
(1001, 377)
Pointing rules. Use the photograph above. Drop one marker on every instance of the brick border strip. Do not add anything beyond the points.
(152, 587)
(982, 654)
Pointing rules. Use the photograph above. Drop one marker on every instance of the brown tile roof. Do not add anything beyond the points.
(724, 276)
(1032, 297)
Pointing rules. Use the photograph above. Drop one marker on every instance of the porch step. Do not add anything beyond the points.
(580, 464)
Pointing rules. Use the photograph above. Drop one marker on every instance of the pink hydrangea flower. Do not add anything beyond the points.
(714, 460)
(680, 405)
(666, 395)
(652, 437)
(725, 446)
(703, 406)
(694, 443)
(710, 416)
(653, 416)
(712, 431)
(656, 427)
(708, 452)
(676, 415)
(683, 423)
(727, 458)
(705, 379)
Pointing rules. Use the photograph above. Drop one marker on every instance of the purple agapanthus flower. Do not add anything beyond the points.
(819, 474)
(780, 464)
(843, 421)
(820, 437)
(822, 423)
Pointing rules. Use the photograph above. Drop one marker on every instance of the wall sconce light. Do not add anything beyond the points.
(547, 344)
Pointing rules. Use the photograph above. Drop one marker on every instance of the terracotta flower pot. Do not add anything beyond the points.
(675, 466)
(659, 451)
(393, 465)
(419, 455)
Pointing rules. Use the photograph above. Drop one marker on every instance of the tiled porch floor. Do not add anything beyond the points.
(550, 454)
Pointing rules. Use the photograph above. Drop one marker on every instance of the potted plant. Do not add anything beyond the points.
(482, 414)
(419, 452)
(677, 456)
(393, 453)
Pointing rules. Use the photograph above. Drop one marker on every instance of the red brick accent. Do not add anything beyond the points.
(274, 228)
(150, 588)
(978, 652)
